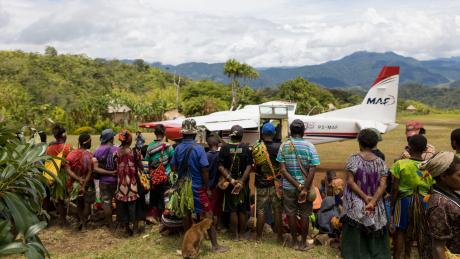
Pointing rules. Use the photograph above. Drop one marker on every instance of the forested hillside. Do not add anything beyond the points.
(358, 69)
(76, 90)
(440, 97)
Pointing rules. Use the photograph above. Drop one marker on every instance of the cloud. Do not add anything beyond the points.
(262, 33)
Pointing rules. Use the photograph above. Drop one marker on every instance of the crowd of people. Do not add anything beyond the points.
(373, 212)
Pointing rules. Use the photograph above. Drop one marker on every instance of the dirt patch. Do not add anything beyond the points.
(63, 241)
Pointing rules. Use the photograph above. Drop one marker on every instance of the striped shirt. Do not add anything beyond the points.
(287, 155)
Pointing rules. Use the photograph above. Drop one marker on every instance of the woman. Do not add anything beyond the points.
(364, 219)
(129, 205)
(58, 193)
(443, 212)
(159, 155)
(80, 180)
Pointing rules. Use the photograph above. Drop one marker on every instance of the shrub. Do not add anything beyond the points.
(84, 129)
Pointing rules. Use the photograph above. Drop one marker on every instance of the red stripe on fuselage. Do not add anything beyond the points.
(348, 134)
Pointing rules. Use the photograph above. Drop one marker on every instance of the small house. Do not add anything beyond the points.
(411, 108)
(331, 107)
(120, 114)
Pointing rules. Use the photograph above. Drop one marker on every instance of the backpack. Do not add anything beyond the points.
(52, 167)
(158, 175)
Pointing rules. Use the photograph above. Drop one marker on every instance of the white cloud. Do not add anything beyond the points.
(262, 33)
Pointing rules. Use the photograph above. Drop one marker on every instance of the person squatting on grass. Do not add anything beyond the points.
(364, 221)
(298, 160)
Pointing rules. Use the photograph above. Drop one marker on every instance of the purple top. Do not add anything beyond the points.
(104, 156)
(367, 174)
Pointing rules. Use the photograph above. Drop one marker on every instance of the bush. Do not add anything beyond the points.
(103, 124)
(84, 129)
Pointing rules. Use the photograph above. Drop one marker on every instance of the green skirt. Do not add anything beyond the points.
(357, 244)
(59, 192)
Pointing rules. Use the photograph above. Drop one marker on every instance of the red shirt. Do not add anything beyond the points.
(80, 162)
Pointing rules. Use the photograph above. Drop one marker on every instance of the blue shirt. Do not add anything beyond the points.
(287, 155)
(213, 159)
(197, 160)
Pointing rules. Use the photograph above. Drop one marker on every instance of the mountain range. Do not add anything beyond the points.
(356, 70)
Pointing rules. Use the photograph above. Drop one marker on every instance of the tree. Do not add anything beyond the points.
(141, 65)
(309, 97)
(232, 69)
(236, 70)
(50, 51)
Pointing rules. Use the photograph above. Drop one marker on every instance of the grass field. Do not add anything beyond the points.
(100, 243)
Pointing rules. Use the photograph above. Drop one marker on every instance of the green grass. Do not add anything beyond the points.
(438, 127)
(103, 244)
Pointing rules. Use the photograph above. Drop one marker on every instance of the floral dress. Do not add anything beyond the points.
(127, 176)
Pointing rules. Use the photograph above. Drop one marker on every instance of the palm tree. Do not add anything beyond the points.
(236, 70)
(232, 69)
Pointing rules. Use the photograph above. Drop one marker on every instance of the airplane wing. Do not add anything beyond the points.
(226, 125)
(382, 127)
(247, 117)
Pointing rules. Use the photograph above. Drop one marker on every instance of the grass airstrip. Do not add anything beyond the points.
(100, 243)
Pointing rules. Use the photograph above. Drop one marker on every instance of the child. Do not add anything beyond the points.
(217, 197)
(410, 185)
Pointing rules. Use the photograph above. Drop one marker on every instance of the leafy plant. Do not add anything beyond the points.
(21, 195)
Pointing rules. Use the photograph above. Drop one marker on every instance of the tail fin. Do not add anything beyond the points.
(380, 102)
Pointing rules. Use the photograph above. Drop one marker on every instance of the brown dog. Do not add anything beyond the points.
(193, 238)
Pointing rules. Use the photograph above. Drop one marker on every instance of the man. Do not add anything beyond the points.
(416, 128)
(190, 159)
(159, 155)
(105, 166)
(298, 160)
(60, 149)
(235, 161)
(267, 169)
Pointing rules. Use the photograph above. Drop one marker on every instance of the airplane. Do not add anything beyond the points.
(377, 110)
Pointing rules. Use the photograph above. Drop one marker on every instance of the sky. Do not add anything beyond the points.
(261, 33)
